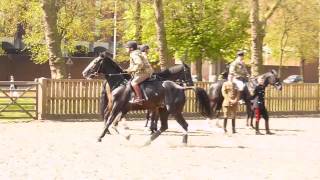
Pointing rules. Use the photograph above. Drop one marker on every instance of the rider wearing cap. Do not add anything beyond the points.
(239, 72)
(140, 69)
(144, 50)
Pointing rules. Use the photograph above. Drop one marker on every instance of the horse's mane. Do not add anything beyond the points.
(171, 70)
(114, 64)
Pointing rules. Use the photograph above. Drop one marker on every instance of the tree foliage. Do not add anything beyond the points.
(300, 20)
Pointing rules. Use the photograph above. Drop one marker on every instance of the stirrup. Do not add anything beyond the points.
(136, 101)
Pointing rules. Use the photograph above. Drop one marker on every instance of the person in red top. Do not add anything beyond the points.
(258, 105)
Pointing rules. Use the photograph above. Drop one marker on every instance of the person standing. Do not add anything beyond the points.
(231, 95)
(258, 105)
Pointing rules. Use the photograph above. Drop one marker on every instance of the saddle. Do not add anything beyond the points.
(144, 87)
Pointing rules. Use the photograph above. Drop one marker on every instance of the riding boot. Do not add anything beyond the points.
(234, 126)
(138, 98)
(267, 127)
(225, 124)
(257, 129)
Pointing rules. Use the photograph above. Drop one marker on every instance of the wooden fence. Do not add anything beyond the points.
(79, 99)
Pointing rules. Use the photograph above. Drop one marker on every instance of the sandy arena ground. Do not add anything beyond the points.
(69, 150)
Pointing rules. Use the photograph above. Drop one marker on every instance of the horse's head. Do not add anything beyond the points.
(187, 78)
(102, 64)
(272, 79)
(93, 68)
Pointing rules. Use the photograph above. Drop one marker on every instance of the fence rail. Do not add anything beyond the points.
(79, 99)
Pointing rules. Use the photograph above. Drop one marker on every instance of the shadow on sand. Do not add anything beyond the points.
(205, 146)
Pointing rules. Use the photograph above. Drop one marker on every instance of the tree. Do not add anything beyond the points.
(164, 58)
(53, 39)
(207, 30)
(278, 35)
(294, 33)
(258, 32)
(138, 22)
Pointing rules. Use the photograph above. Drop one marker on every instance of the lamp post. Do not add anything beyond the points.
(115, 30)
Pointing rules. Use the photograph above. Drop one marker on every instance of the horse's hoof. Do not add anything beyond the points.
(259, 133)
(184, 144)
(128, 137)
(147, 143)
(270, 133)
(99, 140)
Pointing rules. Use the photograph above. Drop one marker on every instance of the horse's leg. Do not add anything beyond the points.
(217, 121)
(183, 123)
(154, 120)
(105, 130)
(148, 118)
(120, 131)
(164, 125)
(110, 116)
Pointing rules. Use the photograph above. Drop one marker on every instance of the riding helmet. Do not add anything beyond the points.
(132, 44)
(144, 48)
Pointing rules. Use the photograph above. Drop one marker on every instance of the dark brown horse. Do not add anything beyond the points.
(180, 73)
(162, 97)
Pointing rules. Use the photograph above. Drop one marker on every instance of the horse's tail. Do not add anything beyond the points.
(203, 102)
(202, 98)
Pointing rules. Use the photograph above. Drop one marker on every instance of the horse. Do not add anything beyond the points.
(180, 73)
(161, 97)
(216, 98)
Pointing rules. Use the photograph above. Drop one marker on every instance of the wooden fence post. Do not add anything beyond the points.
(42, 98)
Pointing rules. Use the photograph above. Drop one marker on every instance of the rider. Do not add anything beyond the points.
(139, 67)
(145, 50)
(239, 72)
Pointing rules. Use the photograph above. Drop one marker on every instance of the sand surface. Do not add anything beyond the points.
(69, 150)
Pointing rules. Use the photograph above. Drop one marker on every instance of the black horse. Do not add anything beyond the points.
(181, 74)
(162, 97)
(216, 97)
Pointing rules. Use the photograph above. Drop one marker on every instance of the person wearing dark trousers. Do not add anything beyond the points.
(231, 96)
(259, 108)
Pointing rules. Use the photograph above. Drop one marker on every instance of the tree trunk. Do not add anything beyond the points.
(138, 24)
(257, 36)
(319, 60)
(302, 61)
(283, 44)
(258, 33)
(53, 40)
(199, 68)
(165, 61)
